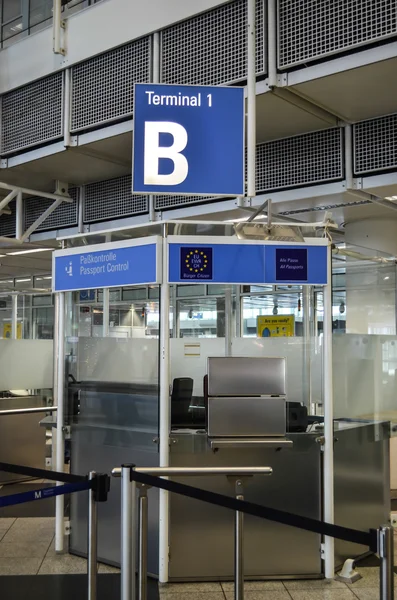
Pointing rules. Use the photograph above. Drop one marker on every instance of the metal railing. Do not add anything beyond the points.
(140, 479)
(25, 411)
(97, 484)
(236, 475)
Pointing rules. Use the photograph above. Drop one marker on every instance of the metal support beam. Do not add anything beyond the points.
(251, 100)
(5, 202)
(19, 217)
(29, 192)
(40, 220)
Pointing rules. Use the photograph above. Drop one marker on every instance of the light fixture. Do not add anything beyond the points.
(391, 198)
(33, 250)
(22, 280)
(386, 278)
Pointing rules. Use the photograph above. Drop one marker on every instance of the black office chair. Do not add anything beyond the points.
(181, 398)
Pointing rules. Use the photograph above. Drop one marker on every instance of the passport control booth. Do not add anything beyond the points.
(161, 395)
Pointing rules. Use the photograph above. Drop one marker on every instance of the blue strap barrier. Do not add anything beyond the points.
(44, 493)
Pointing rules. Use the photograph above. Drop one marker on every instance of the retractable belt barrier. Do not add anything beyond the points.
(98, 485)
(139, 478)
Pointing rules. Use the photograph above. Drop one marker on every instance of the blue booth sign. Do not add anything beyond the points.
(107, 265)
(247, 263)
(188, 140)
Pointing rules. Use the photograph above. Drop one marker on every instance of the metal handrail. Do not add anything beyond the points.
(194, 471)
(129, 519)
(24, 411)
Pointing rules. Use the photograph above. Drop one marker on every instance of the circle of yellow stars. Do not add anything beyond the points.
(204, 259)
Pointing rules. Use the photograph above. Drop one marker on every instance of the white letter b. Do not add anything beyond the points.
(153, 152)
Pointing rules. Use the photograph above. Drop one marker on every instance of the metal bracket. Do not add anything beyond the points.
(322, 551)
(67, 432)
(67, 528)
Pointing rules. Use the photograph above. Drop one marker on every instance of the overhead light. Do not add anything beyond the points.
(22, 280)
(386, 278)
(391, 198)
(28, 251)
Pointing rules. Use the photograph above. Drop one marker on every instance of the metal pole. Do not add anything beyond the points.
(251, 99)
(128, 502)
(19, 216)
(106, 310)
(272, 43)
(60, 436)
(143, 534)
(92, 566)
(307, 354)
(66, 109)
(164, 425)
(14, 316)
(228, 320)
(239, 547)
(329, 558)
(386, 552)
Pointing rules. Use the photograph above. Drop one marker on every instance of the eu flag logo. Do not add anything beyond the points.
(196, 263)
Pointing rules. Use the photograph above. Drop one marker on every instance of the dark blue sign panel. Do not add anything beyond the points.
(188, 140)
(196, 263)
(248, 264)
(111, 265)
(291, 264)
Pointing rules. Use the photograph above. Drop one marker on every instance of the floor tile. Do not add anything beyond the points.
(63, 565)
(180, 588)
(6, 523)
(322, 594)
(253, 586)
(43, 535)
(23, 550)
(262, 595)
(370, 579)
(34, 522)
(367, 593)
(310, 584)
(16, 566)
(192, 595)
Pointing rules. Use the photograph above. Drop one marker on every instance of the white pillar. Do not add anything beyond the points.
(251, 99)
(106, 310)
(14, 316)
(164, 427)
(328, 488)
(59, 402)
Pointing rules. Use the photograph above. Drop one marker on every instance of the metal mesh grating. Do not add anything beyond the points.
(313, 29)
(162, 202)
(103, 87)
(8, 222)
(211, 48)
(301, 160)
(63, 216)
(375, 145)
(32, 115)
(112, 199)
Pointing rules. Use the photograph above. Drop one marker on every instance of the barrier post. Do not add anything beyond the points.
(92, 564)
(386, 555)
(142, 545)
(128, 537)
(98, 493)
(239, 546)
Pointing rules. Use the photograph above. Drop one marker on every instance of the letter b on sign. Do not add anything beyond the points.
(153, 152)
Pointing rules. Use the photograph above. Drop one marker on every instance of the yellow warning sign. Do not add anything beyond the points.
(275, 326)
(7, 330)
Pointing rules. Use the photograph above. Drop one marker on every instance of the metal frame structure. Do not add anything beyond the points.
(164, 422)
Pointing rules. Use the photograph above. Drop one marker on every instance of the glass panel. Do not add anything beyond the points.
(40, 11)
(11, 10)
(113, 412)
(43, 323)
(190, 290)
(36, 356)
(12, 29)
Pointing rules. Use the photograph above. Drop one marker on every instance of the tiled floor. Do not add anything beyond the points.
(27, 548)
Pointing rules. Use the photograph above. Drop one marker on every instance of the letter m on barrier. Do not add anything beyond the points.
(37, 495)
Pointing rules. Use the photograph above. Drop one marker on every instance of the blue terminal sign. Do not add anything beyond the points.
(245, 263)
(107, 265)
(188, 140)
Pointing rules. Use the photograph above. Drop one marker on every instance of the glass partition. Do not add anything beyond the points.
(112, 399)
